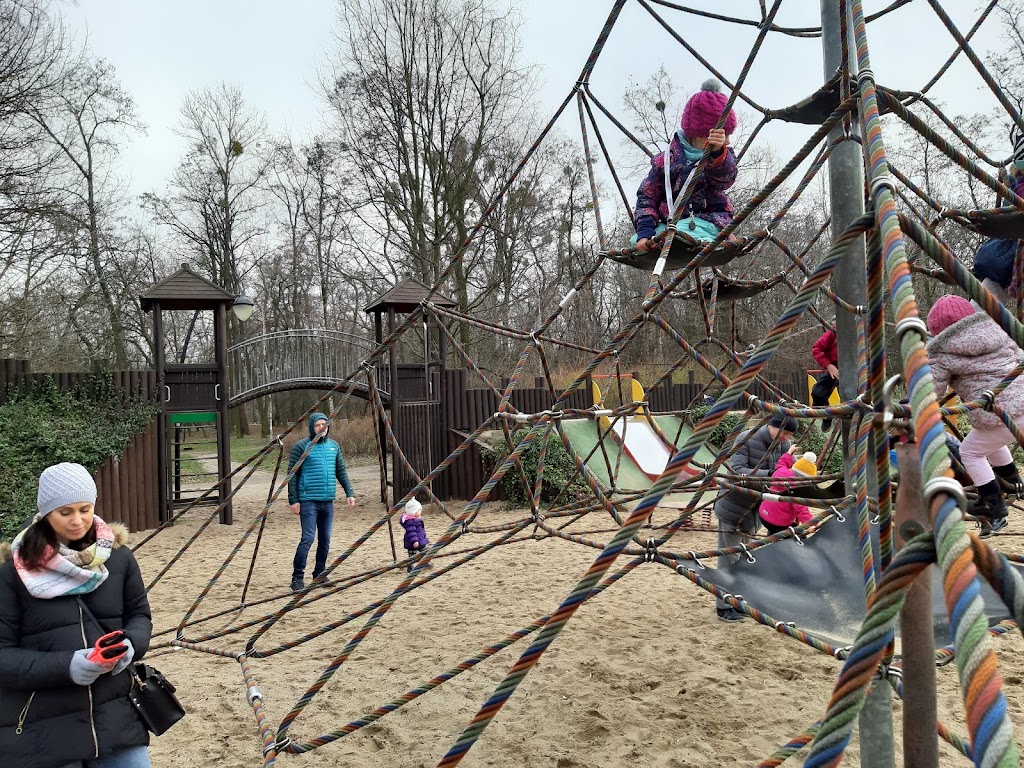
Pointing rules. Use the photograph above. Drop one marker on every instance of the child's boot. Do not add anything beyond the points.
(1011, 479)
(990, 509)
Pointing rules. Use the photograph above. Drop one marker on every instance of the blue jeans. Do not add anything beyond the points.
(316, 518)
(132, 757)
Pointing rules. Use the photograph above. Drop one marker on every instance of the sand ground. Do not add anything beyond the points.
(642, 675)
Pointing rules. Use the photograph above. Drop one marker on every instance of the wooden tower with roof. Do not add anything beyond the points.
(195, 395)
(415, 389)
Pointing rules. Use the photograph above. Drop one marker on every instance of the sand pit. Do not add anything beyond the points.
(642, 675)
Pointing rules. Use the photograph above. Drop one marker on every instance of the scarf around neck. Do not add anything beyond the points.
(66, 571)
(691, 153)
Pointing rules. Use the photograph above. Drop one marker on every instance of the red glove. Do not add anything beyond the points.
(108, 649)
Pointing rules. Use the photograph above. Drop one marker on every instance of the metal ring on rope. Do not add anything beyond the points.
(908, 324)
(279, 746)
(651, 552)
(990, 399)
(946, 485)
(865, 74)
(882, 180)
(693, 556)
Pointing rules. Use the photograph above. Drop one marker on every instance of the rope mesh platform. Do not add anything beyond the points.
(980, 590)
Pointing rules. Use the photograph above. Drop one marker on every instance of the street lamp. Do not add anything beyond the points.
(242, 307)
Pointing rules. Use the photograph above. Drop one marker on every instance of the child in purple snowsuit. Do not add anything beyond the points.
(709, 208)
(415, 540)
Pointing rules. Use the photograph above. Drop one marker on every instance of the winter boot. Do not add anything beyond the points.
(1011, 480)
(990, 509)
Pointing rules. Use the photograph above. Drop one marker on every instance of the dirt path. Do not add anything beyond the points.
(643, 674)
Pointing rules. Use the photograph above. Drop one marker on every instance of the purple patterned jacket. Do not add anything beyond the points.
(415, 533)
(709, 199)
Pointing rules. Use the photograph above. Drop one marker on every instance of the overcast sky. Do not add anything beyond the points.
(164, 48)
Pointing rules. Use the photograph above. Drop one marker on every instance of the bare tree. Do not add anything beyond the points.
(87, 117)
(426, 97)
(214, 194)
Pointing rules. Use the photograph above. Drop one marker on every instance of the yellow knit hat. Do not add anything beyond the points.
(806, 465)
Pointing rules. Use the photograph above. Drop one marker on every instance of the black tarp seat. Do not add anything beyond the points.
(684, 248)
(732, 289)
(819, 586)
(816, 108)
(1002, 223)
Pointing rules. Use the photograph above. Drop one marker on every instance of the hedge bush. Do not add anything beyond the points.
(558, 469)
(47, 426)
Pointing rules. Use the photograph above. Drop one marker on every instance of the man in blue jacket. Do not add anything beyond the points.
(311, 493)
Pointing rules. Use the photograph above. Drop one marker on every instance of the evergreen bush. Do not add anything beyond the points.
(46, 426)
(558, 469)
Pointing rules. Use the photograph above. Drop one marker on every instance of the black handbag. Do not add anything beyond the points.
(153, 697)
(151, 693)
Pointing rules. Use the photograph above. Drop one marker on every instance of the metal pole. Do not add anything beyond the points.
(917, 633)
(846, 192)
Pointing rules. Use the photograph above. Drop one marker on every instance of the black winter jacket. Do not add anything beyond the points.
(756, 458)
(63, 722)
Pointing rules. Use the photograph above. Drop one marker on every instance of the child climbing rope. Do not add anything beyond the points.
(778, 515)
(709, 208)
(415, 540)
(971, 354)
(999, 263)
(826, 354)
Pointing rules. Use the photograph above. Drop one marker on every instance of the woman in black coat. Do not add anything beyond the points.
(62, 705)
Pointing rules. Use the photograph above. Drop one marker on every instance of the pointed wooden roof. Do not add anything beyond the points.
(406, 297)
(185, 290)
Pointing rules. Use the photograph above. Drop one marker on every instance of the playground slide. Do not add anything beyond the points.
(632, 452)
(643, 445)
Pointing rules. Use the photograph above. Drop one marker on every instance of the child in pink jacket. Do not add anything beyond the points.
(971, 354)
(778, 514)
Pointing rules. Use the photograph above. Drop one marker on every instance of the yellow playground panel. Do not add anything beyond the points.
(834, 400)
(811, 381)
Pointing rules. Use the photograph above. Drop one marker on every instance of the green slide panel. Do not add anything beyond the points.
(583, 436)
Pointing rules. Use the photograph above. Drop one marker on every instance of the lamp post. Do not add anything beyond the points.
(243, 307)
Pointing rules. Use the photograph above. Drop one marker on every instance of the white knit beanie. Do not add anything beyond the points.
(64, 484)
(412, 507)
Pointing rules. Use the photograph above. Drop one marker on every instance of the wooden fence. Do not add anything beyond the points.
(128, 485)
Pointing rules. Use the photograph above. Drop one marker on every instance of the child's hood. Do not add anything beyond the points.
(974, 336)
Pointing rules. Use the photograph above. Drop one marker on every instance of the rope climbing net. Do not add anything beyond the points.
(846, 110)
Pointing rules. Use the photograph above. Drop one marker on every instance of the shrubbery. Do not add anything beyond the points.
(720, 434)
(558, 469)
(48, 426)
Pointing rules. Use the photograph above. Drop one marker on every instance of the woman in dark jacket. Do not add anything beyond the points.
(61, 704)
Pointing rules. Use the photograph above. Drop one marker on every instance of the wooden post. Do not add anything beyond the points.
(163, 465)
(223, 413)
(393, 368)
(920, 715)
(383, 446)
(444, 489)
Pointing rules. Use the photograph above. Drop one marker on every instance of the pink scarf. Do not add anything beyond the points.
(66, 571)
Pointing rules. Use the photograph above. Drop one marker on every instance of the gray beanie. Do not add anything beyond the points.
(64, 484)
